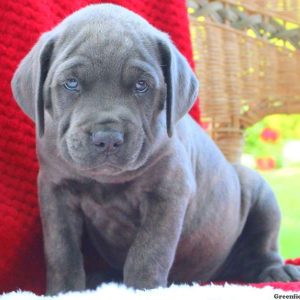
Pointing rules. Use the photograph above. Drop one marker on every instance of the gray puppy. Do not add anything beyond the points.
(121, 160)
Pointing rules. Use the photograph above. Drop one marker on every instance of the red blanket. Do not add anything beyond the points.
(21, 22)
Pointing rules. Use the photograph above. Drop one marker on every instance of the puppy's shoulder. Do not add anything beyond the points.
(198, 143)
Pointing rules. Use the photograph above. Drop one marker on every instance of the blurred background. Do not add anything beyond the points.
(247, 58)
(272, 146)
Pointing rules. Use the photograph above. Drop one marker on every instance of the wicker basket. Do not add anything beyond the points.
(245, 77)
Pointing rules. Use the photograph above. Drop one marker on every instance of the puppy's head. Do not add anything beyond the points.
(110, 85)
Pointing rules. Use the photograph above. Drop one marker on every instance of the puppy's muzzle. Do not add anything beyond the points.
(108, 141)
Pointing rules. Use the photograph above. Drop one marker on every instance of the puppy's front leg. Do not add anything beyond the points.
(152, 253)
(62, 230)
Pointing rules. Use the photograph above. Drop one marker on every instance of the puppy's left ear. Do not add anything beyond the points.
(182, 84)
(28, 81)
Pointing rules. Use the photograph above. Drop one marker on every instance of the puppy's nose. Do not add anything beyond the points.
(107, 141)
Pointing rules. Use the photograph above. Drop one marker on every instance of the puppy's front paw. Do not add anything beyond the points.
(284, 273)
(144, 282)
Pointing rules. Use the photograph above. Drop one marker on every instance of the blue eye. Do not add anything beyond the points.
(71, 84)
(141, 86)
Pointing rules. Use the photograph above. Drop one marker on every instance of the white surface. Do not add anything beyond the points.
(182, 292)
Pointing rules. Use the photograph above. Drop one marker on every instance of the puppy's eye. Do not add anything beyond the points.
(71, 84)
(141, 86)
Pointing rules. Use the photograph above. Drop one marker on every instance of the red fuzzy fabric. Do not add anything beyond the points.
(21, 23)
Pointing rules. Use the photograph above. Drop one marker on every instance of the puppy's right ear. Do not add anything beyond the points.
(181, 82)
(28, 80)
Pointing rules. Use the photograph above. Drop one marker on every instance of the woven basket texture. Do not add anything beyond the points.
(245, 76)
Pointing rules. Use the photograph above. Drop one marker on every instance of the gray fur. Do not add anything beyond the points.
(165, 206)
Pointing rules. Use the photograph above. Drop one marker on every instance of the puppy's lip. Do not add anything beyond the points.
(105, 166)
(105, 162)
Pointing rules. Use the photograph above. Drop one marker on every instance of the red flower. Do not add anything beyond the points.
(265, 163)
(269, 135)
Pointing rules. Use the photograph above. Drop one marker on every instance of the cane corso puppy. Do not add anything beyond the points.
(122, 162)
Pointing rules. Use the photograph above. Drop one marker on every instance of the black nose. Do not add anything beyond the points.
(107, 141)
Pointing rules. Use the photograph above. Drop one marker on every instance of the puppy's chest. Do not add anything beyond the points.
(113, 213)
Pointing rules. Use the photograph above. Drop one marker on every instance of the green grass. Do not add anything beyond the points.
(286, 185)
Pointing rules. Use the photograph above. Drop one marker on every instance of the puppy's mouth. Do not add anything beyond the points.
(103, 164)
(87, 158)
(93, 161)
(105, 168)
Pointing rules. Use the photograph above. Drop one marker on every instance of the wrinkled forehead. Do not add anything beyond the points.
(108, 46)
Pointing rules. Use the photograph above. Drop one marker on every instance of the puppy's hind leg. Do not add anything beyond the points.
(255, 256)
(267, 212)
